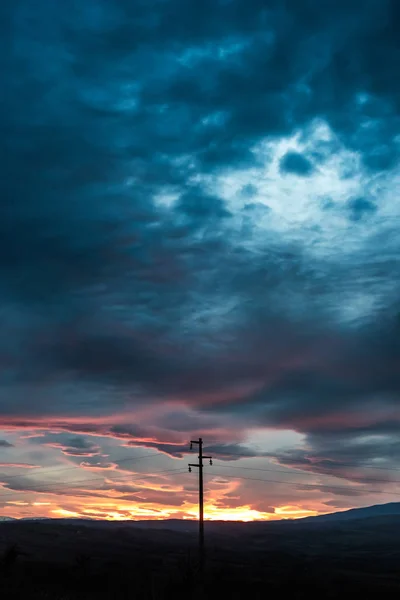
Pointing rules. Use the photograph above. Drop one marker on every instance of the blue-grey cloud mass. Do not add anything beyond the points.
(199, 225)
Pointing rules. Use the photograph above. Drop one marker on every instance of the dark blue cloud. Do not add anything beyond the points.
(360, 208)
(125, 270)
(296, 163)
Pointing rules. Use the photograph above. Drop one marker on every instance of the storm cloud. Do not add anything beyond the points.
(199, 226)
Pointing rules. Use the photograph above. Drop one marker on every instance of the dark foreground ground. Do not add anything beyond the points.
(74, 560)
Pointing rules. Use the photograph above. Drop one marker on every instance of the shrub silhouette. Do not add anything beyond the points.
(82, 562)
(9, 558)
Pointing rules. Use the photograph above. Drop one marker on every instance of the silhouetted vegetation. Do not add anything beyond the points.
(250, 562)
(9, 558)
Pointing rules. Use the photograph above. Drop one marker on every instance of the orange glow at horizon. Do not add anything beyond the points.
(97, 509)
(136, 492)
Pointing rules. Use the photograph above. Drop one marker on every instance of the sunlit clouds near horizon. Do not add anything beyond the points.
(199, 236)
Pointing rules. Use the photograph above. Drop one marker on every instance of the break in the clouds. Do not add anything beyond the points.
(199, 236)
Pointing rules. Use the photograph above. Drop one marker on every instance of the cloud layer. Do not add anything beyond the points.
(199, 231)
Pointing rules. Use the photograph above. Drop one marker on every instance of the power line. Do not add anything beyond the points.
(84, 481)
(180, 471)
(41, 470)
(307, 474)
(315, 486)
(175, 470)
(342, 464)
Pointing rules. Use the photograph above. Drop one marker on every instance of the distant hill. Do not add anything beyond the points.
(378, 510)
(189, 526)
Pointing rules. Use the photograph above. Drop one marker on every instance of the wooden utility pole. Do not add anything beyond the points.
(200, 466)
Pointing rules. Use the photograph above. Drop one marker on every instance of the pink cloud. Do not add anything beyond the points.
(18, 465)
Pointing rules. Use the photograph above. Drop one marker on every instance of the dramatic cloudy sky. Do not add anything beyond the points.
(199, 235)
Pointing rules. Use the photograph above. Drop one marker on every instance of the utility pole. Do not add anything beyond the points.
(200, 466)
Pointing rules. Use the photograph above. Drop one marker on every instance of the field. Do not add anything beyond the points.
(95, 560)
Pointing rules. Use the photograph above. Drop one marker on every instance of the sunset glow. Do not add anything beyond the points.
(199, 238)
(127, 511)
(101, 477)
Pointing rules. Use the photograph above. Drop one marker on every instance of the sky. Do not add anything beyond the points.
(199, 236)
